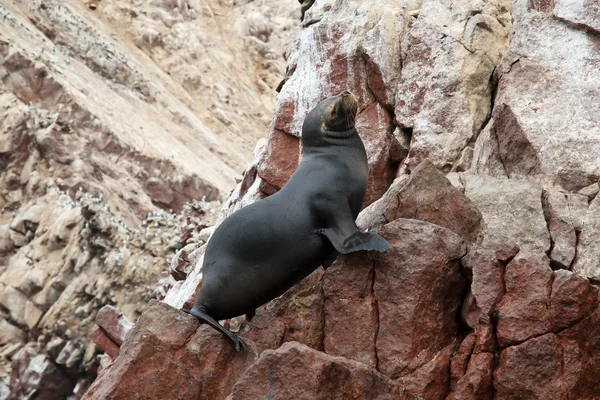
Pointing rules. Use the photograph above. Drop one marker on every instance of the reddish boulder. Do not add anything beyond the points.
(351, 317)
(166, 356)
(113, 323)
(297, 372)
(280, 159)
(146, 369)
(460, 360)
(486, 268)
(297, 315)
(581, 358)
(476, 383)
(105, 343)
(432, 380)
(530, 370)
(418, 288)
(572, 299)
(553, 366)
(523, 312)
(428, 196)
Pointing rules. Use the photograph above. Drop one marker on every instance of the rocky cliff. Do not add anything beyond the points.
(121, 123)
(482, 125)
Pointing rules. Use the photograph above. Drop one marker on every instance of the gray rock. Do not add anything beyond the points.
(588, 258)
(512, 214)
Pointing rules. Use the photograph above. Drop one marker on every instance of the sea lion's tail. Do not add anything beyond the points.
(204, 318)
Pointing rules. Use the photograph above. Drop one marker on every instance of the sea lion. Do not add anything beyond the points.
(262, 250)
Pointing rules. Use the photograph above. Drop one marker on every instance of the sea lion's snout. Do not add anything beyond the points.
(350, 107)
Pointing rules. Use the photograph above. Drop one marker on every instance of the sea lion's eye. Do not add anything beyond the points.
(335, 110)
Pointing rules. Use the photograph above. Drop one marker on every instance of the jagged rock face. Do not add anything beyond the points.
(489, 288)
(115, 117)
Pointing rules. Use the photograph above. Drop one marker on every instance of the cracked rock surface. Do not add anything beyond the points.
(480, 122)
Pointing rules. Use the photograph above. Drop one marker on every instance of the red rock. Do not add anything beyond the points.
(113, 323)
(485, 338)
(213, 362)
(581, 358)
(529, 370)
(432, 380)
(158, 316)
(476, 384)
(487, 279)
(280, 159)
(460, 360)
(427, 196)
(166, 356)
(523, 312)
(418, 287)
(573, 298)
(298, 315)
(146, 369)
(350, 309)
(375, 127)
(297, 372)
(104, 343)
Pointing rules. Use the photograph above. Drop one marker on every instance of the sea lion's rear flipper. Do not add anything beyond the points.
(204, 318)
(350, 240)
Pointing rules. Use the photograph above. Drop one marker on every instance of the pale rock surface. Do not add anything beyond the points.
(532, 130)
(588, 259)
(512, 213)
(449, 61)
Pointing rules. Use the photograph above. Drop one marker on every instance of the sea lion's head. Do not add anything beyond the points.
(332, 117)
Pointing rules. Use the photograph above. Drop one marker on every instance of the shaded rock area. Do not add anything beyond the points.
(480, 122)
(121, 133)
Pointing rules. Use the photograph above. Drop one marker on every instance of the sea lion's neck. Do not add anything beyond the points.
(349, 146)
(329, 140)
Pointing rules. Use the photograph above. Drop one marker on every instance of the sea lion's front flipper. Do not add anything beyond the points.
(347, 238)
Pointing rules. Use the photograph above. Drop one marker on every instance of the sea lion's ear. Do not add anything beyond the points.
(355, 240)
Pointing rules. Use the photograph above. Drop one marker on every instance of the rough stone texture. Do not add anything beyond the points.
(444, 93)
(36, 375)
(418, 279)
(428, 196)
(523, 312)
(297, 372)
(166, 356)
(564, 213)
(533, 133)
(588, 257)
(113, 323)
(512, 213)
(350, 301)
(485, 292)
